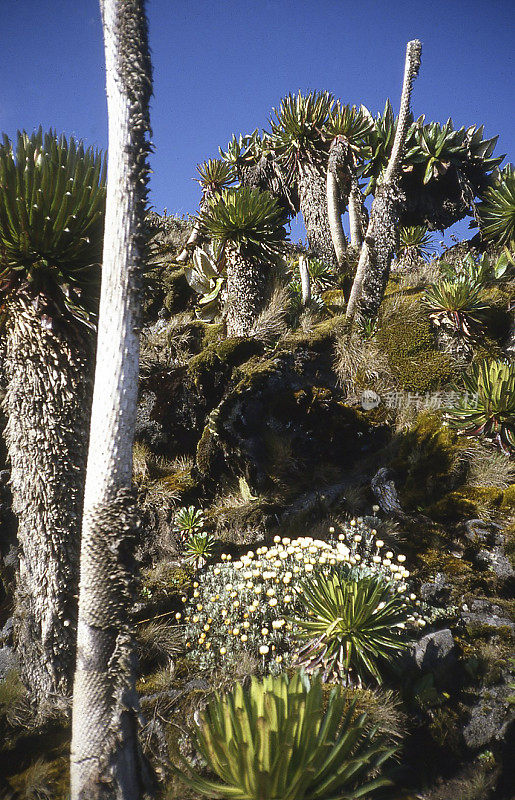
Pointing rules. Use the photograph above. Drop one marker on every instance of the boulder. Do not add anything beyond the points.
(437, 592)
(490, 718)
(435, 651)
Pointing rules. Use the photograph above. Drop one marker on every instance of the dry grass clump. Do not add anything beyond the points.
(420, 275)
(272, 322)
(16, 715)
(146, 466)
(179, 337)
(158, 643)
(168, 345)
(39, 781)
(383, 708)
(360, 364)
(489, 467)
(472, 784)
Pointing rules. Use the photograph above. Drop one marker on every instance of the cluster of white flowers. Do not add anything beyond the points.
(247, 604)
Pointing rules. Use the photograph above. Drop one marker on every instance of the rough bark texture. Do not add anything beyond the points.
(268, 176)
(313, 205)
(47, 405)
(245, 294)
(337, 188)
(106, 762)
(380, 242)
(358, 221)
(381, 247)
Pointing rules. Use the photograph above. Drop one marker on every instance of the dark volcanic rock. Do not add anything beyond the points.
(435, 651)
(490, 718)
(437, 592)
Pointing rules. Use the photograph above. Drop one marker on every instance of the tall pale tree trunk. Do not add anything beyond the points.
(305, 280)
(337, 190)
(106, 762)
(313, 205)
(380, 242)
(47, 404)
(356, 215)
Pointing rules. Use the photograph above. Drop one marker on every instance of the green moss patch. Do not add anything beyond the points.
(223, 355)
(409, 343)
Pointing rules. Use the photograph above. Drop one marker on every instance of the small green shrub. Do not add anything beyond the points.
(274, 740)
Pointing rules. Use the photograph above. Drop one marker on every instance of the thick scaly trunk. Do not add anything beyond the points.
(47, 405)
(356, 216)
(337, 189)
(106, 762)
(245, 294)
(380, 242)
(313, 205)
(268, 176)
(380, 247)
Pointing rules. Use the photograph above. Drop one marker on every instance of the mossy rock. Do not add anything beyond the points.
(334, 300)
(508, 498)
(165, 581)
(209, 457)
(465, 503)
(253, 373)
(223, 355)
(433, 561)
(411, 350)
(180, 484)
(429, 462)
(497, 318)
(178, 293)
(509, 544)
(445, 726)
(319, 339)
(483, 631)
(214, 333)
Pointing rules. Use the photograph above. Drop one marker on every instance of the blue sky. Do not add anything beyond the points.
(220, 67)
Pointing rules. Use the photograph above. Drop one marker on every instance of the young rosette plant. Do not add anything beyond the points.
(206, 277)
(352, 620)
(188, 521)
(215, 175)
(415, 244)
(455, 303)
(280, 739)
(199, 548)
(247, 229)
(488, 407)
(497, 211)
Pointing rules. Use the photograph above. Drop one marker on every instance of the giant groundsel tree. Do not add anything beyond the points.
(52, 199)
(247, 229)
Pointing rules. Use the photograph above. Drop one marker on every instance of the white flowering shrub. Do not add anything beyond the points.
(248, 604)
